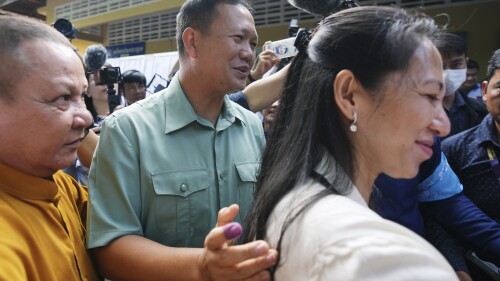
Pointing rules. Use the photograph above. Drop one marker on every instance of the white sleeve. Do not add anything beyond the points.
(339, 239)
(380, 256)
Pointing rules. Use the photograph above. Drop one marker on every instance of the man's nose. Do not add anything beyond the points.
(82, 118)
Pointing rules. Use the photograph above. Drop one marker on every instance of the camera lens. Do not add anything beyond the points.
(65, 27)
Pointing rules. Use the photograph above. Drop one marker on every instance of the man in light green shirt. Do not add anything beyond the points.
(165, 166)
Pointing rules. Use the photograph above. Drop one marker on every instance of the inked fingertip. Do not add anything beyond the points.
(232, 230)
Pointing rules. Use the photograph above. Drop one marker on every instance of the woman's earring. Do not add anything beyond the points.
(353, 126)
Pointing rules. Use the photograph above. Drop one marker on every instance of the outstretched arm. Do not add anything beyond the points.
(134, 257)
(262, 93)
(467, 222)
(87, 147)
(265, 61)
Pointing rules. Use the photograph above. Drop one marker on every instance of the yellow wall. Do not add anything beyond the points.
(478, 21)
(81, 45)
(122, 14)
(481, 26)
(159, 46)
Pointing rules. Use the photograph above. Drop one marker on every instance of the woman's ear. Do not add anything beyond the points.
(346, 90)
(190, 39)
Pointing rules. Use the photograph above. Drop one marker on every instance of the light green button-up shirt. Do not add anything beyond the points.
(162, 172)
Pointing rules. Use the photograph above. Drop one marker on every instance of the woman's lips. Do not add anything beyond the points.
(426, 147)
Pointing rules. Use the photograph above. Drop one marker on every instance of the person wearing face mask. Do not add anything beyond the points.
(464, 112)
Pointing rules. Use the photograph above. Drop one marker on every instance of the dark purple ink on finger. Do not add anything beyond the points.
(232, 230)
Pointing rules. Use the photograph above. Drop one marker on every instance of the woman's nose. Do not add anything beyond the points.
(441, 124)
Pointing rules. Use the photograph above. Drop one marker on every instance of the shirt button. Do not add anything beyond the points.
(184, 187)
(221, 176)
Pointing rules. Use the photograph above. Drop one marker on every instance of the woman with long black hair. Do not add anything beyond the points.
(362, 97)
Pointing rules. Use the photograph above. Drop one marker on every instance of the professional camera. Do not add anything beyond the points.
(108, 75)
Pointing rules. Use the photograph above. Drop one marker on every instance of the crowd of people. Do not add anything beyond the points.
(374, 158)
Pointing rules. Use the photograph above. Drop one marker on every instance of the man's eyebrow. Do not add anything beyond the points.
(247, 31)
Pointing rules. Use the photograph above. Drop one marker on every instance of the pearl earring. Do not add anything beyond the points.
(353, 126)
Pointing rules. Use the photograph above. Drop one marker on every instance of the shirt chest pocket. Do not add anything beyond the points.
(181, 205)
(248, 173)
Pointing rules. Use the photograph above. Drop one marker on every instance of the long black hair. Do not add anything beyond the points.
(371, 42)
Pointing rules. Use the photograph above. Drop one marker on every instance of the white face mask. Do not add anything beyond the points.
(453, 79)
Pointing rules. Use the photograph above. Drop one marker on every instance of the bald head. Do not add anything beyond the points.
(14, 32)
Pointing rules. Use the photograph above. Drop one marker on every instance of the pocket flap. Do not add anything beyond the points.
(248, 171)
(180, 183)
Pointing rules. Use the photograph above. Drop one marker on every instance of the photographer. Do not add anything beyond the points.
(133, 87)
(96, 99)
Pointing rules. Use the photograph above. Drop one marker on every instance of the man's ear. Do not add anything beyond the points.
(190, 40)
(346, 90)
(484, 87)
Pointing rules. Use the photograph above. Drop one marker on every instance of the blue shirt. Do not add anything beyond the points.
(468, 157)
(459, 119)
(474, 93)
(464, 114)
(240, 99)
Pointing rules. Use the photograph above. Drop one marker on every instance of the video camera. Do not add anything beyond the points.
(108, 75)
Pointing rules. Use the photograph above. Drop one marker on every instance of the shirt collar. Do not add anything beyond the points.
(325, 168)
(459, 100)
(27, 186)
(179, 112)
(487, 131)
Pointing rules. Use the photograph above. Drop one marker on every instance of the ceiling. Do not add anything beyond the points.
(23, 7)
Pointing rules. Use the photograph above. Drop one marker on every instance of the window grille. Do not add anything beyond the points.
(162, 25)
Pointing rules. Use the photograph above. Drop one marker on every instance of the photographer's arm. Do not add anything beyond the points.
(262, 93)
(87, 147)
(265, 61)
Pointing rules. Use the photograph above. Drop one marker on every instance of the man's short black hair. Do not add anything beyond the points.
(451, 44)
(199, 14)
(493, 65)
(134, 76)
